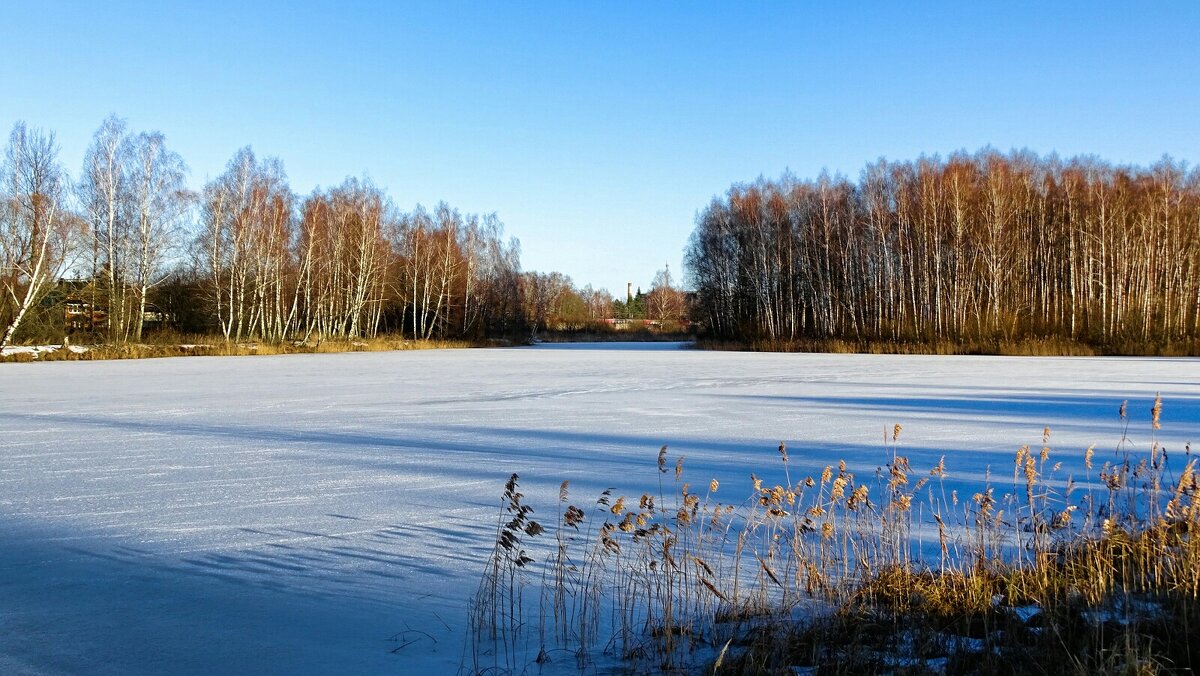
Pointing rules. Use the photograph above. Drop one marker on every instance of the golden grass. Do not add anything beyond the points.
(192, 346)
(1045, 347)
(825, 571)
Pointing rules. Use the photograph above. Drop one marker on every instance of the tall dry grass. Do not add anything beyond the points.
(1038, 347)
(831, 572)
(175, 345)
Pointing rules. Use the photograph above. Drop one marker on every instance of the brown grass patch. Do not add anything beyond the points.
(208, 346)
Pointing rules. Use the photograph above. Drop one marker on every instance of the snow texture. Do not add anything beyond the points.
(37, 351)
(332, 513)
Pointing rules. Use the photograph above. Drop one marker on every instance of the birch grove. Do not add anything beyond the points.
(344, 259)
(134, 196)
(984, 246)
(344, 263)
(263, 263)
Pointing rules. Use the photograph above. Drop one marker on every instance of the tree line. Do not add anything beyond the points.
(553, 301)
(246, 258)
(977, 246)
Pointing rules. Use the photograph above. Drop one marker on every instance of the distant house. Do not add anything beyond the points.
(627, 324)
(78, 312)
(80, 315)
(153, 317)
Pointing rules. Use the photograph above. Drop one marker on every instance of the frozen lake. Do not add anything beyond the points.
(331, 513)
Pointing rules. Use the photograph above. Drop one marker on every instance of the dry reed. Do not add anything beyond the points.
(827, 572)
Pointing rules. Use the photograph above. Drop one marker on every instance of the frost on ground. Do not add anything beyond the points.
(36, 351)
(331, 513)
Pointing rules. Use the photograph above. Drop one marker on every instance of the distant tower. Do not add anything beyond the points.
(628, 292)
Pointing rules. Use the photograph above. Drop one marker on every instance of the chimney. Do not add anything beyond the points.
(628, 292)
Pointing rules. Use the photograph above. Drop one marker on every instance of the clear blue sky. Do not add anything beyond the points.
(597, 131)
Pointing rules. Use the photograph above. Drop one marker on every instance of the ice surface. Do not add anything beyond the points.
(315, 513)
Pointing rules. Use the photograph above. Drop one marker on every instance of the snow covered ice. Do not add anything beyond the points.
(332, 513)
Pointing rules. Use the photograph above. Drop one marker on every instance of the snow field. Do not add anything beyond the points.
(331, 513)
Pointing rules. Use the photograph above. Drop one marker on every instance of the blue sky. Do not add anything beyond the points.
(597, 131)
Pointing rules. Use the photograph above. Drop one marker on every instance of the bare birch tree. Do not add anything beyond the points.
(158, 200)
(104, 193)
(37, 233)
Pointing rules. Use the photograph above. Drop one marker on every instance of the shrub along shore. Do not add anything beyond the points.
(1028, 347)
